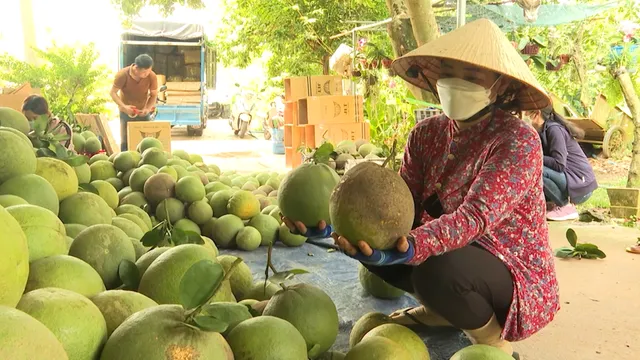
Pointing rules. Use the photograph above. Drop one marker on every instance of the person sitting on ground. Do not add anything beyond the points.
(138, 87)
(478, 258)
(34, 106)
(568, 176)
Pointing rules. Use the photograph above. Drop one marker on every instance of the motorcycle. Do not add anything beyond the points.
(242, 114)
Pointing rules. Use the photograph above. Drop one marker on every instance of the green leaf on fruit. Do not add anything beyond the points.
(129, 275)
(228, 312)
(193, 237)
(210, 323)
(572, 237)
(282, 276)
(45, 152)
(153, 237)
(523, 42)
(88, 188)
(77, 160)
(323, 153)
(199, 283)
(178, 237)
(40, 124)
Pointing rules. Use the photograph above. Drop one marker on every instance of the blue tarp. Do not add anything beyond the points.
(337, 275)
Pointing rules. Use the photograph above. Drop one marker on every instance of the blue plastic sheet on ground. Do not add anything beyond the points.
(337, 275)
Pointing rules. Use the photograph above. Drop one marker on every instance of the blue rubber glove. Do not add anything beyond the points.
(315, 233)
(386, 257)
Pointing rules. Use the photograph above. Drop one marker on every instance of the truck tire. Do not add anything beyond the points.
(194, 131)
(243, 129)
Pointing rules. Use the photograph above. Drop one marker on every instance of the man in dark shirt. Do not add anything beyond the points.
(138, 87)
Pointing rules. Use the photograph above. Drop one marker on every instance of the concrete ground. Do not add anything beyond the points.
(600, 314)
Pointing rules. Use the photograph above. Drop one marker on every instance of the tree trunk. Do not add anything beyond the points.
(423, 20)
(631, 98)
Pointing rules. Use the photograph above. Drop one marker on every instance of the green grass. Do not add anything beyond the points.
(600, 199)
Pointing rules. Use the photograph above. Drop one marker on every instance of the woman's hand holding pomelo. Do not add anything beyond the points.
(403, 252)
(322, 231)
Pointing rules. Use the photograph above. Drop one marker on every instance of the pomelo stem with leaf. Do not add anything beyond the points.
(392, 155)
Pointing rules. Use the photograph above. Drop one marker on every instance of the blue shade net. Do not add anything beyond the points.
(337, 275)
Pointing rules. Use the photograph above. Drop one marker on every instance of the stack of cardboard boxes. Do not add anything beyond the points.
(183, 93)
(316, 109)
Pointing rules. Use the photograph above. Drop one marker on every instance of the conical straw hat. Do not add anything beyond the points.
(479, 43)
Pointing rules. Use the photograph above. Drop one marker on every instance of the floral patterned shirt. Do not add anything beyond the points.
(488, 178)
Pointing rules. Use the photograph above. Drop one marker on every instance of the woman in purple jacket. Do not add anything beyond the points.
(567, 175)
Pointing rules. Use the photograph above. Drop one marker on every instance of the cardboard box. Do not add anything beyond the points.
(183, 86)
(288, 156)
(14, 98)
(291, 113)
(288, 135)
(338, 109)
(162, 79)
(335, 133)
(183, 99)
(296, 88)
(138, 130)
(310, 136)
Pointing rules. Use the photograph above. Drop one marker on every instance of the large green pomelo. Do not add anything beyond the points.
(190, 189)
(288, 238)
(241, 279)
(14, 119)
(214, 169)
(225, 230)
(200, 212)
(147, 143)
(78, 142)
(267, 337)
(64, 272)
(22, 337)
(181, 154)
(46, 235)
(59, 174)
(366, 149)
(210, 245)
(14, 261)
(373, 204)
(248, 238)
(147, 259)
(11, 200)
(138, 212)
(116, 183)
(180, 171)
(98, 157)
(150, 167)
(481, 352)
(74, 320)
(85, 208)
(366, 323)
(260, 293)
(155, 157)
(244, 205)
(117, 305)
(125, 161)
(18, 133)
(35, 189)
(135, 198)
(402, 335)
(102, 170)
(88, 134)
(74, 229)
(304, 193)
(138, 177)
(375, 286)
(92, 145)
(159, 187)
(16, 158)
(377, 348)
(216, 186)
(219, 202)
(124, 192)
(332, 355)
(267, 226)
(311, 311)
(161, 281)
(83, 173)
(129, 227)
(126, 176)
(139, 248)
(174, 207)
(168, 340)
(170, 171)
(104, 247)
(107, 192)
(187, 225)
(263, 178)
(195, 158)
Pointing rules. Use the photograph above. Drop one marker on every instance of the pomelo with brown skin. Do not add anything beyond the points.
(373, 204)
(158, 187)
(304, 193)
(159, 333)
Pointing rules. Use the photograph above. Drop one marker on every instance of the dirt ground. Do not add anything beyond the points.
(600, 314)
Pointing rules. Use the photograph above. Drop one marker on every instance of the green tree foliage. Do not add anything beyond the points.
(296, 32)
(131, 8)
(67, 76)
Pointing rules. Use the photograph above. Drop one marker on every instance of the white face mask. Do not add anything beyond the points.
(462, 99)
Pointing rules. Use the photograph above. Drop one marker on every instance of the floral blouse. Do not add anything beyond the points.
(489, 180)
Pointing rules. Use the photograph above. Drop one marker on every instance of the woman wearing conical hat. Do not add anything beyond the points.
(478, 258)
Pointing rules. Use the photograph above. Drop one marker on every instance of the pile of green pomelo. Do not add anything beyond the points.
(117, 257)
